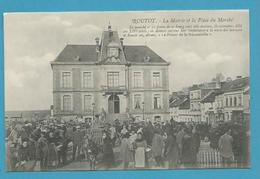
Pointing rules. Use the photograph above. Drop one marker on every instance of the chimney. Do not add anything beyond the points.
(97, 44)
(122, 41)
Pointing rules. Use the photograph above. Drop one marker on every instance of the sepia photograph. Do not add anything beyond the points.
(133, 90)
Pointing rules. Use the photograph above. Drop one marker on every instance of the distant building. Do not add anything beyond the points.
(185, 114)
(246, 103)
(236, 98)
(228, 100)
(228, 103)
(210, 107)
(196, 95)
(27, 115)
(176, 103)
(110, 79)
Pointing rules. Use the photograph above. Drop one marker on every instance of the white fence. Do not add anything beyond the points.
(210, 158)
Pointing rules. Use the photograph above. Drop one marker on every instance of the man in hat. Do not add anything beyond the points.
(113, 134)
(225, 148)
(125, 150)
(77, 140)
(42, 150)
(62, 148)
(179, 141)
(157, 146)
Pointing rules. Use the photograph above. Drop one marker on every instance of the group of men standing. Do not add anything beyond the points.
(169, 144)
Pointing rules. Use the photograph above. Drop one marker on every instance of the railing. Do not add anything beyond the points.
(120, 88)
(212, 159)
(209, 159)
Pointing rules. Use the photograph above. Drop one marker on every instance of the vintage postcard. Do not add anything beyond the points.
(127, 90)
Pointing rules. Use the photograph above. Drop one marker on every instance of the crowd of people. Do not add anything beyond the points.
(45, 145)
(160, 142)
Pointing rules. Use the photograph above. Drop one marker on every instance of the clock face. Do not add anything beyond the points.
(112, 52)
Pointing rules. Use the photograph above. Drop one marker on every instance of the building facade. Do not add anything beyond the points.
(180, 109)
(228, 100)
(110, 79)
(197, 93)
(211, 106)
(236, 99)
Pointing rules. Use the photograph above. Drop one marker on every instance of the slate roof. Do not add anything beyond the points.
(210, 98)
(185, 104)
(178, 100)
(226, 86)
(110, 37)
(88, 53)
(194, 87)
(137, 54)
(237, 84)
(84, 52)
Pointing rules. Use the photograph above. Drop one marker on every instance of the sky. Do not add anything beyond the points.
(33, 40)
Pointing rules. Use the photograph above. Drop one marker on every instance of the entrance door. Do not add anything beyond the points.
(113, 104)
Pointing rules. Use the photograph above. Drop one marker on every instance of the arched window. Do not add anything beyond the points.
(113, 104)
(231, 102)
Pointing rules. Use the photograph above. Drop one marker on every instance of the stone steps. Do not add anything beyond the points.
(112, 117)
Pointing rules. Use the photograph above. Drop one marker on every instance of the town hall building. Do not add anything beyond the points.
(111, 79)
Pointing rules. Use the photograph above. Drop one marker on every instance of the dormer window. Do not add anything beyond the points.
(112, 52)
(146, 59)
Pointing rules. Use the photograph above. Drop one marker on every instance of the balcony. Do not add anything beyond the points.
(114, 89)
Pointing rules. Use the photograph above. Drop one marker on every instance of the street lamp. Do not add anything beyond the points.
(93, 110)
(143, 109)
